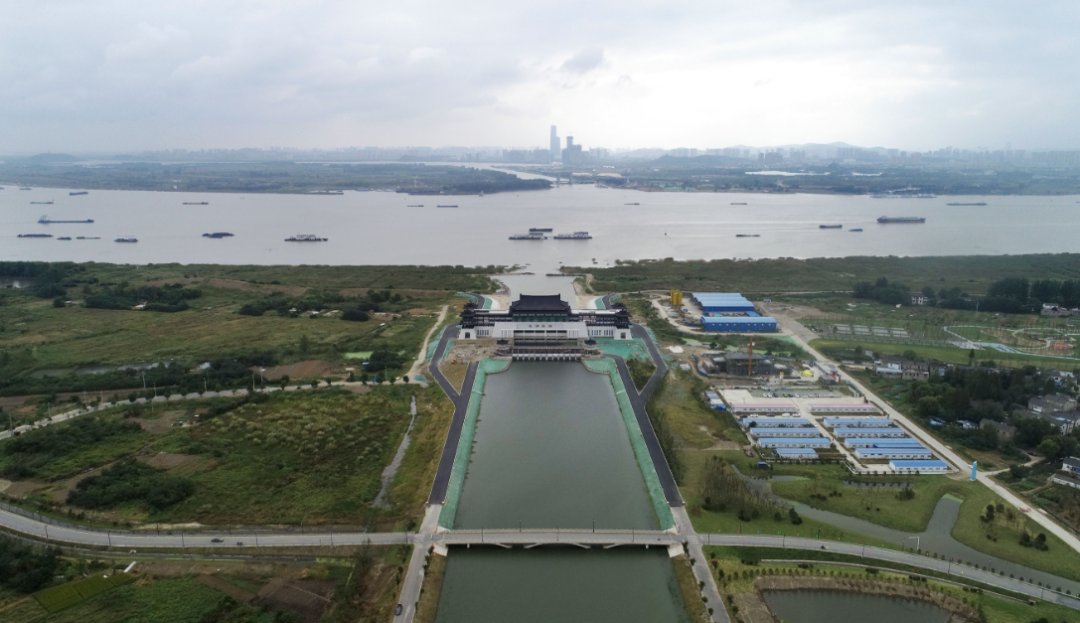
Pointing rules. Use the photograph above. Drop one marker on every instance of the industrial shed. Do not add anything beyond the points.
(922, 467)
(844, 433)
(814, 442)
(796, 453)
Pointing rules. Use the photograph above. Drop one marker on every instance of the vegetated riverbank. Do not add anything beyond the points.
(962, 612)
(244, 318)
(275, 177)
(972, 273)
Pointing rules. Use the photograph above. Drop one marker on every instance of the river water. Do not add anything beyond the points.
(378, 228)
(551, 451)
(837, 607)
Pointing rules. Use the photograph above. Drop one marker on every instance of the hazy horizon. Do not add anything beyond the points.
(122, 76)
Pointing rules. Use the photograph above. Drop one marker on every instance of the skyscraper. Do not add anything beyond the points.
(556, 149)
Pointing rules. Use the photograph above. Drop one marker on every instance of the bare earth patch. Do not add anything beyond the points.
(61, 492)
(308, 598)
(264, 288)
(165, 460)
(228, 588)
(300, 369)
(21, 488)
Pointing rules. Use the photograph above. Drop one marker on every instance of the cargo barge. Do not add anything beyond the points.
(127, 239)
(532, 235)
(830, 226)
(78, 192)
(196, 203)
(306, 238)
(577, 235)
(35, 235)
(218, 234)
(45, 220)
(901, 219)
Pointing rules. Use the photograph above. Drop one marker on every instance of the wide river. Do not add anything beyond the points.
(379, 228)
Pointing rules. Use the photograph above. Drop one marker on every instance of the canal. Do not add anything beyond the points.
(551, 450)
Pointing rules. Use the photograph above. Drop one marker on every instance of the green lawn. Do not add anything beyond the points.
(914, 515)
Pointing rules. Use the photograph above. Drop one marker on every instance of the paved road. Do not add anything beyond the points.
(427, 537)
(663, 470)
(461, 406)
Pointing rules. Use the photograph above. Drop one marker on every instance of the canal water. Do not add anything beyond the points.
(551, 451)
(840, 607)
(548, 586)
(379, 228)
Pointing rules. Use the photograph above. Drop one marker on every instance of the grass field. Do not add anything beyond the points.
(312, 457)
(686, 414)
(429, 593)
(72, 336)
(180, 600)
(305, 457)
(64, 596)
(914, 515)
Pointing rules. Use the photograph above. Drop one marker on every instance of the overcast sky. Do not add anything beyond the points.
(130, 75)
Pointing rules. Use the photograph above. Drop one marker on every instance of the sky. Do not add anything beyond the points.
(122, 75)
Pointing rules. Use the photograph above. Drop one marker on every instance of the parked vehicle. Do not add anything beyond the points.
(217, 540)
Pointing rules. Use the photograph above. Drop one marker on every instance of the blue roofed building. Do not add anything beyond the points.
(796, 453)
(921, 467)
(738, 324)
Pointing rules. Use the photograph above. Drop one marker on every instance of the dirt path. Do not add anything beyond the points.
(391, 469)
(421, 357)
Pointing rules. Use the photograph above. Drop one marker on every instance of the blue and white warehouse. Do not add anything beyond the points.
(844, 433)
(717, 302)
(794, 442)
(893, 453)
(737, 324)
(922, 467)
(796, 453)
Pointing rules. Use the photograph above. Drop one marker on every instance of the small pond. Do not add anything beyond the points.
(842, 607)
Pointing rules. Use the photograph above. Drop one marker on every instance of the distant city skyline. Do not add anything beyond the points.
(120, 75)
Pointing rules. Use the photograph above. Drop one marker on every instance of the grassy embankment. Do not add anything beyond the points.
(972, 273)
(428, 605)
(739, 577)
(690, 589)
(306, 457)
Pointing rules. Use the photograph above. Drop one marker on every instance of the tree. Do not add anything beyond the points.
(305, 344)
(1049, 448)
(929, 292)
(59, 302)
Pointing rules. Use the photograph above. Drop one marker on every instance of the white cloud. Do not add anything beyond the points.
(916, 74)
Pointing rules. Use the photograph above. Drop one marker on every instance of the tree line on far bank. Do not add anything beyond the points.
(1013, 295)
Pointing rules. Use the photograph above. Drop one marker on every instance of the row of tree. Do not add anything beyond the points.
(1013, 295)
(169, 298)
